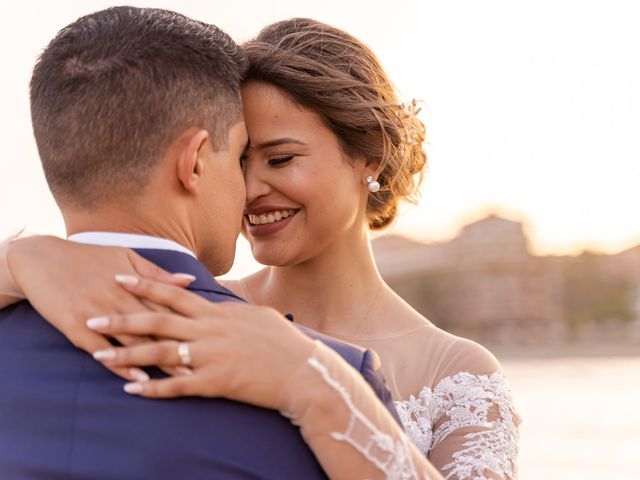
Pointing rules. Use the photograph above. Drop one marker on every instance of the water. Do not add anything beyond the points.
(581, 417)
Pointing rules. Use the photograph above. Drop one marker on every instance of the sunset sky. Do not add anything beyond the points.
(532, 108)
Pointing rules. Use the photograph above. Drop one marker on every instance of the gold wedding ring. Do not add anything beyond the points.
(184, 353)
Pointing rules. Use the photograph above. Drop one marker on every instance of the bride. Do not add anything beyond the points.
(332, 153)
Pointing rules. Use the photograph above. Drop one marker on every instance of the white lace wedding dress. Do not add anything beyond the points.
(453, 400)
(458, 409)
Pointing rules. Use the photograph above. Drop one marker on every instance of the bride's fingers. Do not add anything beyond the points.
(177, 299)
(165, 388)
(92, 342)
(131, 340)
(163, 352)
(154, 307)
(135, 373)
(167, 325)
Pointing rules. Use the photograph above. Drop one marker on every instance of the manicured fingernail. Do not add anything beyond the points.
(184, 276)
(104, 355)
(182, 371)
(133, 388)
(96, 323)
(139, 375)
(127, 279)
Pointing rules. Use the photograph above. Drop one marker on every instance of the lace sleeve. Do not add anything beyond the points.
(9, 291)
(466, 426)
(356, 437)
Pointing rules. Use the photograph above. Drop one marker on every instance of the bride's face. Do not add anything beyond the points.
(303, 194)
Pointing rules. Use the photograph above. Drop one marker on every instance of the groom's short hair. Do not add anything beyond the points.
(114, 88)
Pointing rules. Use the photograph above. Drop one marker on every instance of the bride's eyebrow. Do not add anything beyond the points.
(278, 141)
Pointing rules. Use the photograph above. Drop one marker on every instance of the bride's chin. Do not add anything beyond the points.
(272, 258)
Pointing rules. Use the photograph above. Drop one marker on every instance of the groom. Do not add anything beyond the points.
(138, 120)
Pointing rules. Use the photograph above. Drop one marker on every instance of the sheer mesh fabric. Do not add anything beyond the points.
(453, 400)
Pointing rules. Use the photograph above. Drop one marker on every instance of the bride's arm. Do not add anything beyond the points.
(67, 282)
(9, 291)
(351, 433)
(253, 355)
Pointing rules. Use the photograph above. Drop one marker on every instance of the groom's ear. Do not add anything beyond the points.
(193, 148)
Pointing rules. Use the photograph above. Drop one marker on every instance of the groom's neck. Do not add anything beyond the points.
(107, 220)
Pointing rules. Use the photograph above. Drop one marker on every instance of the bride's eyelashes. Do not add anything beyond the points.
(280, 160)
(277, 161)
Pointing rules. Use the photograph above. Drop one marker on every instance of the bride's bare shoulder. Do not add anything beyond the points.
(242, 286)
(234, 285)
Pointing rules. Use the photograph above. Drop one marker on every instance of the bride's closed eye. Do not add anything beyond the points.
(280, 161)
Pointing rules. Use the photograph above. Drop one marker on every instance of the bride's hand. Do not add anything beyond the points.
(238, 351)
(68, 282)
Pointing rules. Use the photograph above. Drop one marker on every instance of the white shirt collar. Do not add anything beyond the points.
(129, 240)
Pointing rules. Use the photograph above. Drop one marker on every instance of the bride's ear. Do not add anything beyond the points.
(369, 169)
(363, 168)
(193, 148)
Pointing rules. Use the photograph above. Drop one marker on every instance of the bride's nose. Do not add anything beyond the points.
(256, 183)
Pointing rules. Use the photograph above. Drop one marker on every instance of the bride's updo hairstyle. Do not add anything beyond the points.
(335, 75)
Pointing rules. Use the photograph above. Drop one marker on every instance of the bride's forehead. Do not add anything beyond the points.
(269, 125)
(266, 96)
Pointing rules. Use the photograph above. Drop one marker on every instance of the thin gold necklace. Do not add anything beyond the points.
(250, 298)
(362, 318)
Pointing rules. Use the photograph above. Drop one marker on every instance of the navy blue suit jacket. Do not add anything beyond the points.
(64, 416)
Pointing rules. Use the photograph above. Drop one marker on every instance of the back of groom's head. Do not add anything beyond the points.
(113, 89)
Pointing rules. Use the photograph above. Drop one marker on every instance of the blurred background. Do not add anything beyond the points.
(527, 237)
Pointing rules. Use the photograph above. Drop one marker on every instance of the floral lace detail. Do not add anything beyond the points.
(391, 457)
(481, 403)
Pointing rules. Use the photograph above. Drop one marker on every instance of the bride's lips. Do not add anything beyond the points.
(267, 228)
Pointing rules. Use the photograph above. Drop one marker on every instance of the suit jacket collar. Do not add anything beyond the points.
(178, 262)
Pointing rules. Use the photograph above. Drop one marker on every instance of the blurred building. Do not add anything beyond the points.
(486, 284)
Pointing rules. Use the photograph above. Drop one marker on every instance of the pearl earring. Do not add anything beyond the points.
(372, 184)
